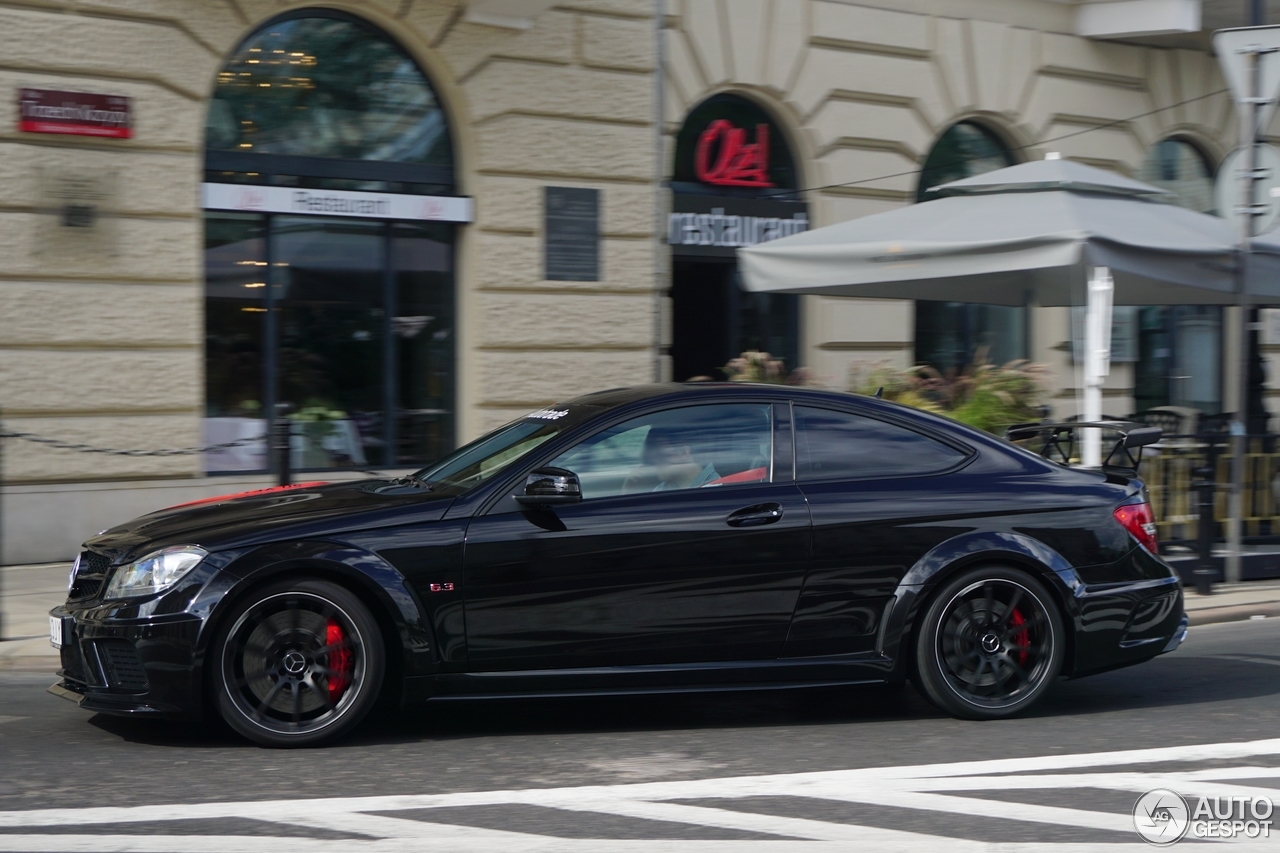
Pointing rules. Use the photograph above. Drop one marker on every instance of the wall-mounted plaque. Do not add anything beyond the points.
(572, 229)
(81, 229)
(75, 113)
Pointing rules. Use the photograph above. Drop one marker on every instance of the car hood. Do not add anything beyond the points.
(306, 510)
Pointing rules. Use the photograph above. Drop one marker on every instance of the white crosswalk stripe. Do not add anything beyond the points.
(936, 791)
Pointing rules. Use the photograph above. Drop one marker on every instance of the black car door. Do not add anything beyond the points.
(873, 486)
(686, 547)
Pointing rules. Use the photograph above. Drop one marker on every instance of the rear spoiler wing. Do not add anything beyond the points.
(1060, 442)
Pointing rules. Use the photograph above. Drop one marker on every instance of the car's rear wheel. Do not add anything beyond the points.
(990, 643)
(299, 663)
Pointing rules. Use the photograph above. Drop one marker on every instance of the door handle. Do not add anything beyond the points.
(754, 516)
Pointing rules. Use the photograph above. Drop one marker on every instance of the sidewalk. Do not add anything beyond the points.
(27, 593)
(1233, 602)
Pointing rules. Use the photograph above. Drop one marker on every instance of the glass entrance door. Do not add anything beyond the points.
(422, 341)
(348, 321)
(327, 292)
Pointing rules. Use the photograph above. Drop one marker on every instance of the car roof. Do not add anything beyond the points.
(674, 391)
(695, 391)
(615, 397)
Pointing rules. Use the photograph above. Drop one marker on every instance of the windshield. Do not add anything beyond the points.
(469, 466)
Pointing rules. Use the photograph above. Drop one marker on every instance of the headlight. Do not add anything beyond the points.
(71, 578)
(155, 572)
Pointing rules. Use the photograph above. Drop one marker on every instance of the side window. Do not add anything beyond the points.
(696, 447)
(837, 446)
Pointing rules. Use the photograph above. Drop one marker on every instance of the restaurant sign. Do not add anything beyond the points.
(717, 226)
(253, 198)
(730, 143)
(75, 113)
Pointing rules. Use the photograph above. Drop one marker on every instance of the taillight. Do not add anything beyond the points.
(1140, 521)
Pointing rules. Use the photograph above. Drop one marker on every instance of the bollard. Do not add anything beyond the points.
(281, 436)
(1205, 489)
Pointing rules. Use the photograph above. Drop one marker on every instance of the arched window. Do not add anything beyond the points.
(964, 150)
(326, 85)
(950, 335)
(1181, 168)
(329, 249)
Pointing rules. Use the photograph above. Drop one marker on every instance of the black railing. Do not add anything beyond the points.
(1187, 472)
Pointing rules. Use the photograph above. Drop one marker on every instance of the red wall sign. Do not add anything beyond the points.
(76, 113)
(725, 158)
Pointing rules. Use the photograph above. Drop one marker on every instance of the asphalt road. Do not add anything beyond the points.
(797, 770)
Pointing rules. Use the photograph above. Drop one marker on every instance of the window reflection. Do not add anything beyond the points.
(1180, 167)
(235, 339)
(363, 315)
(326, 85)
(834, 445)
(328, 288)
(1180, 347)
(964, 150)
(688, 448)
(422, 340)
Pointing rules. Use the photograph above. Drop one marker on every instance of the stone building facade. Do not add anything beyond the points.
(102, 338)
(105, 330)
(865, 90)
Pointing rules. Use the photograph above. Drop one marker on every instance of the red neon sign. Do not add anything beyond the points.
(737, 162)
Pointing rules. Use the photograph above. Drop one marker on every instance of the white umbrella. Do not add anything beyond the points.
(1027, 231)
(1052, 231)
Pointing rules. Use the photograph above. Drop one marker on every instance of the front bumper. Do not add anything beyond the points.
(129, 666)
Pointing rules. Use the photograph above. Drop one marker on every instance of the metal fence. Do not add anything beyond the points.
(1180, 465)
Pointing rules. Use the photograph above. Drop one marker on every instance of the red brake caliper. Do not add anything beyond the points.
(1021, 639)
(339, 660)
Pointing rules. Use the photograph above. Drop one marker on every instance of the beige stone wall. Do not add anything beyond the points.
(867, 86)
(105, 345)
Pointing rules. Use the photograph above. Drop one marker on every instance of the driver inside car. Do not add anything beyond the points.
(670, 456)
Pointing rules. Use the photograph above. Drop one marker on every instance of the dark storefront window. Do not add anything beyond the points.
(951, 335)
(731, 179)
(1179, 358)
(235, 271)
(348, 321)
(715, 319)
(1180, 347)
(422, 343)
(364, 318)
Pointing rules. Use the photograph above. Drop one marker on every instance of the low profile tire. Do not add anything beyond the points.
(990, 643)
(299, 663)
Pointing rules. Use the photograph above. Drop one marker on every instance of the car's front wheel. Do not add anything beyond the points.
(990, 643)
(298, 663)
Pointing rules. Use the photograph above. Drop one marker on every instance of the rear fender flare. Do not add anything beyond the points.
(959, 552)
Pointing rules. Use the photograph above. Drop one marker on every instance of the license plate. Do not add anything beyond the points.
(55, 632)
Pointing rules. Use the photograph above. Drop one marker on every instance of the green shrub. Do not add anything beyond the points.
(984, 395)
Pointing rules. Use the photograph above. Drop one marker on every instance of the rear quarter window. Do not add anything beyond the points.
(833, 445)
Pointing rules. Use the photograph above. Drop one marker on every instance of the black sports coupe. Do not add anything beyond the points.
(698, 537)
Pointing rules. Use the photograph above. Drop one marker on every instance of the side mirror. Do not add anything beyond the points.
(548, 487)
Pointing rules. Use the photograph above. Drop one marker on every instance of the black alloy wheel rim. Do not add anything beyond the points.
(995, 643)
(294, 663)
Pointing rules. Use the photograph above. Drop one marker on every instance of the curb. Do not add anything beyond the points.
(1233, 613)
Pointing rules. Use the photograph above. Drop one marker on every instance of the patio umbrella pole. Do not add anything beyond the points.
(1097, 361)
(1249, 209)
